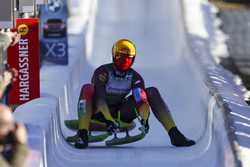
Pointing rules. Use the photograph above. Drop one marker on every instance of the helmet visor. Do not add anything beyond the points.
(123, 61)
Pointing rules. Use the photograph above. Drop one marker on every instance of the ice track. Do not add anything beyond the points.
(165, 61)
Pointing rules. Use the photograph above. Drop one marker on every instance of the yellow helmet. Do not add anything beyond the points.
(125, 47)
(124, 53)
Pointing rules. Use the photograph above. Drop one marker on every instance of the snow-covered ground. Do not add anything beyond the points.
(165, 59)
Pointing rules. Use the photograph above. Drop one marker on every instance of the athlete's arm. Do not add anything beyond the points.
(99, 80)
(140, 97)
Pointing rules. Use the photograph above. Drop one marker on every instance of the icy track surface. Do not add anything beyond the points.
(165, 61)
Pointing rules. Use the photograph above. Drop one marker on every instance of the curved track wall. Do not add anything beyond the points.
(169, 61)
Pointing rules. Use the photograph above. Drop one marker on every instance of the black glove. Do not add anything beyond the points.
(145, 125)
(112, 126)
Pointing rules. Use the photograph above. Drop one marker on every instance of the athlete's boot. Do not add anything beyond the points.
(82, 139)
(178, 139)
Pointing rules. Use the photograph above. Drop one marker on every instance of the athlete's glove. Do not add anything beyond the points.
(112, 126)
(145, 125)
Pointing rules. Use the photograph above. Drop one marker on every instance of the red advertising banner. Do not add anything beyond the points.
(25, 58)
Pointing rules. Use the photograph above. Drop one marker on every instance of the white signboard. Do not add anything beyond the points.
(40, 2)
(26, 6)
(7, 13)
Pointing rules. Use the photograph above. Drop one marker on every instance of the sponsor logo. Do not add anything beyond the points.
(55, 6)
(137, 82)
(24, 84)
(102, 77)
(24, 57)
(23, 29)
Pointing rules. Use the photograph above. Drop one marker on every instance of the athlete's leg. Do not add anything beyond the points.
(162, 113)
(85, 106)
(159, 108)
(86, 96)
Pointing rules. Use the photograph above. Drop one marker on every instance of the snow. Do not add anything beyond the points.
(194, 18)
(221, 82)
(167, 59)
